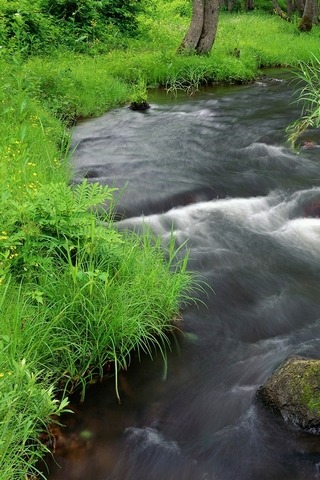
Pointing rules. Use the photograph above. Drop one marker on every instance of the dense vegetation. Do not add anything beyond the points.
(35, 26)
(75, 294)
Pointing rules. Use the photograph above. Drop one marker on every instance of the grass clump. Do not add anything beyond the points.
(76, 295)
(98, 293)
(309, 96)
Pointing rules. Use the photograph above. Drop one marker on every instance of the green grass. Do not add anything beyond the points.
(76, 294)
(308, 86)
(27, 407)
(70, 85)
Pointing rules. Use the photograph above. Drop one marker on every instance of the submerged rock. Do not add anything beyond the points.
(140, 106)
(293, 392)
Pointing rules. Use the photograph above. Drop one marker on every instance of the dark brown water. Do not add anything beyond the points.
(216, 167)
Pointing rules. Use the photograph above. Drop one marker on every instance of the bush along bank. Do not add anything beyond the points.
(75, 294)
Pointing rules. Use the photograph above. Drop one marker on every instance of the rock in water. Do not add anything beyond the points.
(140, 106)
(293, 391)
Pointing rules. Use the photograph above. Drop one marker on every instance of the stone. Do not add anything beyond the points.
(139, 106)
(293, 391)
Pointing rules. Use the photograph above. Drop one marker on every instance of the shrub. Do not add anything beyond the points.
(38, 26)
(85, 293)
(86, 15)
(24, 27)
(27, 405)
(51, 224)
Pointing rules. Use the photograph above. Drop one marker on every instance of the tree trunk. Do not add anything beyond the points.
(299, 6)
(230, 5)
(310, 16)
(203, 28)
(278, 11)
(290, 7)
(191, 39)
(249, 5)
(315, 19)
(210, 24)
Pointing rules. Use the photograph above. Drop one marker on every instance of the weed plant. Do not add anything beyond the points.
(308, 90)
(27, 407)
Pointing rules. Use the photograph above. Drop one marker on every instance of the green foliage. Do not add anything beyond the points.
(259, 6)
(267, 6)
(32, 142)
(87, 294)
(172, 8)
(75, 295)
(51, 224)
(308, 96)
(139, 94)
(80, 25)
(24, 27)
(87, 13)
(27, 406)
(102, 308)
(68, 88)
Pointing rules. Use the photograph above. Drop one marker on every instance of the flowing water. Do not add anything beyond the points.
(217, 169)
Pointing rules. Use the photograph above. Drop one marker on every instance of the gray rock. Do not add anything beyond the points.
(293, 391)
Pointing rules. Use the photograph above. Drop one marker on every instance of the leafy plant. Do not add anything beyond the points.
(24, 28)
(139, 96)
(98, 293)
(86, 13)
(309, 97)
(80, 25)
(27, 406)
(52, 224)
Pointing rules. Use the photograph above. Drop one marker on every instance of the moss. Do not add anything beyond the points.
(293, 392)
(310, 384)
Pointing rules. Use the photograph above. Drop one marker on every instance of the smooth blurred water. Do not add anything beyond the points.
(216, 168)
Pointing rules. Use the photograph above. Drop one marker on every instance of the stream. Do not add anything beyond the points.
(215, 168)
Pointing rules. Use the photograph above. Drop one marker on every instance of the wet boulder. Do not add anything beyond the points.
(139, 106)
(293, 391)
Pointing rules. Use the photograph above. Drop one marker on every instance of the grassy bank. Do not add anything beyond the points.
(70, 85)
(75, 294)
